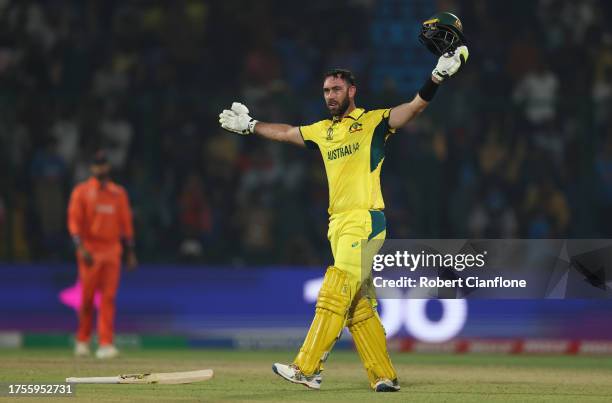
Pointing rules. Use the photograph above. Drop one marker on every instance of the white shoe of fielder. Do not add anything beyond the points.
(294, 375)
(81, 349)
(108, 351)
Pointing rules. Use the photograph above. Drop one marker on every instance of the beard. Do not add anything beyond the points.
(103, 177)
(339, 109)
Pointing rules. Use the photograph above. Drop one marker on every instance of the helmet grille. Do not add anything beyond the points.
(438, 39)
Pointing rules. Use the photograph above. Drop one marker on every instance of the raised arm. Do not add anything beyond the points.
(279, 132)
(404, 113)
(237, 120)
(448, 64)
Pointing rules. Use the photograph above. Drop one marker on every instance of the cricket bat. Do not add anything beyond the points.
(169, 378)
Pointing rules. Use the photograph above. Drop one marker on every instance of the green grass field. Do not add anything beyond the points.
(246, 376)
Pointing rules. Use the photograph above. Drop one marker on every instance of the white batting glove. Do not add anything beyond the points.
(237, 119)
(450, 63)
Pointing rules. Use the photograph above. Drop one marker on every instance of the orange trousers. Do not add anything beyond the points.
(102, 275)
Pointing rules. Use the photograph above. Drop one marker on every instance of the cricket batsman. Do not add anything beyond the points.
(352, 145)
(99, 220)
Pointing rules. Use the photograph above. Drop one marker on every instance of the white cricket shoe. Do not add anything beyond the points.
(387, 385)
(294, 375)
(81, 349)
(108, 351)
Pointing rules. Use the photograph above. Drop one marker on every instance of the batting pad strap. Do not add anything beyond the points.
(335, 292)
(360, 311)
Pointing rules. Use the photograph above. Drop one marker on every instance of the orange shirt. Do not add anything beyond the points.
(100, 215)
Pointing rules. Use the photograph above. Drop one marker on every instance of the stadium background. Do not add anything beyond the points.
(519, 145)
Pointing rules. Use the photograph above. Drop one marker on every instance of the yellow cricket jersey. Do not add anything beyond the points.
(353, 152)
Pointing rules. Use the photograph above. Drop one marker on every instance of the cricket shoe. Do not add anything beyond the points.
(81, 349)
(294, 375)
(386, 385)
(107, 351)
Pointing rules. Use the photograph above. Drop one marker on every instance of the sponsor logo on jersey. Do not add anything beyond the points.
(105, 208)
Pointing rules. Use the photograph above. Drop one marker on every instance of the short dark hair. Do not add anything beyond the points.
(100, 157)
(344, 74)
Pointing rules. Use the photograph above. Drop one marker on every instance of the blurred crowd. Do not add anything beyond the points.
(518, 145)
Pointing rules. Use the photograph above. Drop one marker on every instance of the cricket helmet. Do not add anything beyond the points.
(442, 33)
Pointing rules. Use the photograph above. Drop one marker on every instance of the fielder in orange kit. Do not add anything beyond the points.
(99, 220)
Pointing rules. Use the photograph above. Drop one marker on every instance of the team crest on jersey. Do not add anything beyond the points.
(330, 134)
(355, 127)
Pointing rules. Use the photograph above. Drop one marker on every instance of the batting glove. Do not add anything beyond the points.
(237, 119)
(450, 63)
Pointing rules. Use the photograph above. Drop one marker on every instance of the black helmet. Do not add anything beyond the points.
(442, 33)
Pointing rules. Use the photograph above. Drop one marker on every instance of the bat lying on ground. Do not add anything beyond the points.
(170, 378)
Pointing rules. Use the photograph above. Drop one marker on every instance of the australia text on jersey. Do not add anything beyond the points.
(342, 151)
